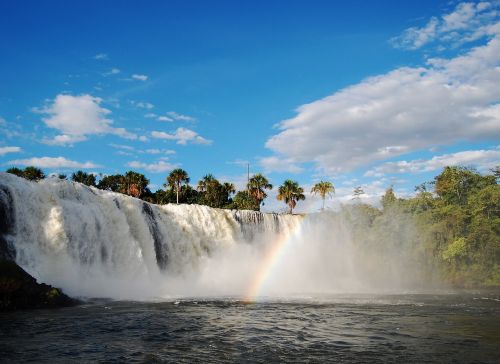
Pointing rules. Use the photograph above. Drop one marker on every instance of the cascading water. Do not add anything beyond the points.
(104, 244)
(95, 243)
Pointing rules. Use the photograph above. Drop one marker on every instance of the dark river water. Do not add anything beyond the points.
(449, 328)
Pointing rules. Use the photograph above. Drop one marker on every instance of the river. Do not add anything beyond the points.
(438, 328)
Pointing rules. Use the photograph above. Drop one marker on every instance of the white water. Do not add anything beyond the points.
(95, 243)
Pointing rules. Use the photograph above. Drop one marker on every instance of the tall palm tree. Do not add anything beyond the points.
(176, 179)
(324, 188)
(257, 186)
(290, 192)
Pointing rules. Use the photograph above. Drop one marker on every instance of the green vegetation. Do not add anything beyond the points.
(176, 179)
(290, 192)
(256, 188)
(30, 173)
(324, 188)
(452, 231)
(83, 177)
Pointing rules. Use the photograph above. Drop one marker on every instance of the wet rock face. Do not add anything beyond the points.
(19, 290)
(6, 223)
(160, 246)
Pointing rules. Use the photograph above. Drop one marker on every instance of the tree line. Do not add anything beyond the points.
(209, 191)
(450, 228)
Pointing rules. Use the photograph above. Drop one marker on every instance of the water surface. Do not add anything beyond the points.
(450, 328)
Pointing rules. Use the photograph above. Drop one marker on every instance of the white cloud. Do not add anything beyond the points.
(158, 167)
(5, 150)
(143, 138)
(3, 122)
(467, 22)
(142, 105)
(113, 71)
(183, 136)
(76, 117)
(275, 164)
(150, 115)
(180, 117)
(139, 77)
(50, 162)
(101, 57)
(164, 118)
(481, 159)
(405, 110)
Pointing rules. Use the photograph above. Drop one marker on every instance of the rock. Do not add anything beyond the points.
(19, 290)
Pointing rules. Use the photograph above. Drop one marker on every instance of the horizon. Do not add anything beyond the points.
(371, 95)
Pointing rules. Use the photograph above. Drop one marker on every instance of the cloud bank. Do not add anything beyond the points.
(407, 109)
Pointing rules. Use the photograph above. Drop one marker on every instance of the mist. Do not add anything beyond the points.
(94, 243)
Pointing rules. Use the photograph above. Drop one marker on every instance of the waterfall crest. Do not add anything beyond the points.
(98, 243)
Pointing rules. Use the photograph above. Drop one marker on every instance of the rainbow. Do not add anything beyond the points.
(271, 259)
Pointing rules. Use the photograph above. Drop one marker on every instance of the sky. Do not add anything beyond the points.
(359, 93)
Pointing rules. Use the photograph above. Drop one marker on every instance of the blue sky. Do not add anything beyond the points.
(360, 93)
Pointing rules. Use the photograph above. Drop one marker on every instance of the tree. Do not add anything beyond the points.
(229, 188)
(176, 179)
(16, 171)
(388, 199)
(111, 183)
(33, 174)
(290, 192)
(358, 191)
(83, 177)
(133, 184)
(205, 182)
(29, 173)
(455, 184)
(257, 186)
(212, 192)
(242, 201)
(324, 188)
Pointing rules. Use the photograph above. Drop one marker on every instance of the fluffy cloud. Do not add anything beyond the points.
(467, 22)
(139, 77)
(183, 136)
(76, 117)
(275, 164)
(5, 150)
(158, 167)
(405, 110)
(482, 159)
(50, 162)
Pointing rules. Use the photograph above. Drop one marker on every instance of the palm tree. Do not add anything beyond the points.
(176, 179)
(133, 184)
(290, 192)
(256, 186)
(324, 188)
(229, 188)
(205, 182)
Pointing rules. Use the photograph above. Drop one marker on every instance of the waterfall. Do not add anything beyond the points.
(104, 244)
(94, 243)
